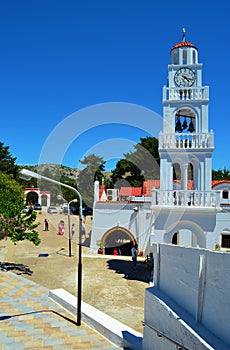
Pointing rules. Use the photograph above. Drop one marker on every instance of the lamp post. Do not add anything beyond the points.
(72, 201)
(26, 174)
(136, 211)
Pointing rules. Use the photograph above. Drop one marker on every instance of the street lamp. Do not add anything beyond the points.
(80, 227)
(26, 174)
(72, 201)
(136, 211)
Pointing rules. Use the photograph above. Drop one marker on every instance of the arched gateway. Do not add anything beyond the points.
(35, 195)
(195, 234)
(118, 238)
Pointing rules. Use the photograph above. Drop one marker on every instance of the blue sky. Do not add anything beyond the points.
(59, 58)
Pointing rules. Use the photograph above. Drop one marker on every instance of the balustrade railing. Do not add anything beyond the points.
(186, 140)
(191, 93)
(186, 198)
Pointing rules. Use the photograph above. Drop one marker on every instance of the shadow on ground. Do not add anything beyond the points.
(19, 269)
(124, 267)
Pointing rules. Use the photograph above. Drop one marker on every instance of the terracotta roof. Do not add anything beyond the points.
(130, 191)
(148, 185)
(101, 189)
(183, 44)
(189, 184)
(218, 182)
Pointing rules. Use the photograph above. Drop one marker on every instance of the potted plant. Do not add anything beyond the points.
(101, 246)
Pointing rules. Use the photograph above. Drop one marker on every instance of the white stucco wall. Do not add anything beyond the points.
(197, 281)
(206, 225)
(120, 214)
(225, 186)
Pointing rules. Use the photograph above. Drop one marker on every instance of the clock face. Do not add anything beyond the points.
(184, 77)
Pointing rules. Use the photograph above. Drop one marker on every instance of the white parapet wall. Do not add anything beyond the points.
(189, 302)
(110, 328)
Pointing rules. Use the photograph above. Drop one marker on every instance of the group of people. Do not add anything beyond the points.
(61, 228)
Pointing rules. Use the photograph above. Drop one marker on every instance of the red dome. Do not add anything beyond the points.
(183, 44)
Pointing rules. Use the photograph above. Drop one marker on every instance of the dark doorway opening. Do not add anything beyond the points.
(119, 241)
(225, 241)
(175, 238)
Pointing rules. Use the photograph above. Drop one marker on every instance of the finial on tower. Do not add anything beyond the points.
(183, 34)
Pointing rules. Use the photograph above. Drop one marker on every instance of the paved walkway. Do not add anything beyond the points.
(30, 320)
(109, 284)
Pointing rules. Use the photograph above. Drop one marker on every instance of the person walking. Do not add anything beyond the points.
(134, 256)
(72, 231)
(46, 225)
(61, 228)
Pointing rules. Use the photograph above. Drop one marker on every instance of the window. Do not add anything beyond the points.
(194, 57)
(175, 238)
(175, 57)
(225, 241)
(185, 56)
(225, 194)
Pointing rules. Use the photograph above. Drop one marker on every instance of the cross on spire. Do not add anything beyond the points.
(183, 34)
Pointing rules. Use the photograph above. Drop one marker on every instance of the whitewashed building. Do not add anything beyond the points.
(192, 210)
(187, 306)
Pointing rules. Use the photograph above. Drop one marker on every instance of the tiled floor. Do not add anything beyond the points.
(30, 320)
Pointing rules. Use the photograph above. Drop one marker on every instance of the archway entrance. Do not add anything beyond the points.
(120, 239)
(186, 233)
(44, 200)
(32, 197)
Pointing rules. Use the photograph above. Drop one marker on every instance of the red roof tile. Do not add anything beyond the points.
(101, 189)
(183, 44)
(148, 185)
(218, 182)
(130, 191)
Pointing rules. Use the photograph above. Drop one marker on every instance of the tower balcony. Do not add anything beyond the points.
(186, 198)
(185, 94)
(186, 140)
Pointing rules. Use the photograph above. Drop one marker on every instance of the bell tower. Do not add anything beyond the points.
(185, 144)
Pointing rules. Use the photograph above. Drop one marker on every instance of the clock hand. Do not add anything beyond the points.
(186, 78)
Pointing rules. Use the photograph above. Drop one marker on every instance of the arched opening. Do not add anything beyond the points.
(175, 56)
(44, 200)
(190, 171)
(31, 198)
(188, 234)
(120, 239)
(225, 194)
(185, 56)
(225, 238)
(176, 172)
(175, 238)
(185, 121)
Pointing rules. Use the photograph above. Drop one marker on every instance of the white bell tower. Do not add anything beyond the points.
(185, 144)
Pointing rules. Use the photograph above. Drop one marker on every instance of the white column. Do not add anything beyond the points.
(184, 177)
(208, 173)
(163, 174)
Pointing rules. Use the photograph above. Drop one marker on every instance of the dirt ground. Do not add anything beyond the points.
(108, 282)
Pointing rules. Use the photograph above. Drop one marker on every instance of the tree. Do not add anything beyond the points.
(13, 223)
(142, 164)
(128, 172)
(7, 162)
(221, 174)
(94, 166)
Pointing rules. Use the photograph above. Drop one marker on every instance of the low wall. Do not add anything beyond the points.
(197, 280)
